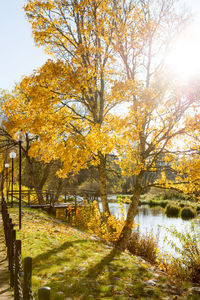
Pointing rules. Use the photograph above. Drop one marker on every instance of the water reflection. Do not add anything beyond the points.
(153, 220)
(146, 211)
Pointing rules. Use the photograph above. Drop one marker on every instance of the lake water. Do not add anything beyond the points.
(154, 219)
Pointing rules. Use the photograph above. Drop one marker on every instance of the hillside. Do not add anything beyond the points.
(78, 266)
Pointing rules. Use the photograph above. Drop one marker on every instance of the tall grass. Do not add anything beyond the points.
(187, 265)
(144, 245)
(171, 195)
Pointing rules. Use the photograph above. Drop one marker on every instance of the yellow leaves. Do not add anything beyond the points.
(68, 103)
(100, 139)
(56, 26)
(35, 149)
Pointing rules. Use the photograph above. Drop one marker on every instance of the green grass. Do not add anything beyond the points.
(81, 267)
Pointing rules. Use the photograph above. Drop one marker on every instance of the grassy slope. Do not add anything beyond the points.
(82, 267)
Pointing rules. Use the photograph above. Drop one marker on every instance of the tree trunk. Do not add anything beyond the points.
(58, 191)
(2, 183)
(38, 186)
(132, 212)
(39, 194)
(103, 186)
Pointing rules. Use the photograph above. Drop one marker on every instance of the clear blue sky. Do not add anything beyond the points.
(18, 54)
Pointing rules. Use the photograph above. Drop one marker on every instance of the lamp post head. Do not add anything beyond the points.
(12, 154)
(20, 136)
(6, 165)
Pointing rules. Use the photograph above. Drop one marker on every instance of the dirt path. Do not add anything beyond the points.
(5, 291)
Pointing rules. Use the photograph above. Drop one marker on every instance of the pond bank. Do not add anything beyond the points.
(77, 265)
(174, 207)
(153, 220)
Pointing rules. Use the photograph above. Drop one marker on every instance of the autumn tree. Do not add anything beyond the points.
(156, 121)
(77, 92)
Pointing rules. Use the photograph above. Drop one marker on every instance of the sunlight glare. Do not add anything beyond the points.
(184, 60)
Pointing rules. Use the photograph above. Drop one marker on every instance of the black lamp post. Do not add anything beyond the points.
(20, 138)
(7, 166)
(12, 156)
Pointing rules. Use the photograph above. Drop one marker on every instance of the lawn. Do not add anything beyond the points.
(77, 266)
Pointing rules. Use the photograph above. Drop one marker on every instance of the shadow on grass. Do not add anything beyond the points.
(77, 274)
(94, 271)
(41, 261)
(95, 282)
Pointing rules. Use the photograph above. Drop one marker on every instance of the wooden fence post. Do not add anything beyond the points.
(5, 219)
(8, 230)
(44, 293)
(9, 248)
(12, 255)
(27, 286)
(18, 271)
(6, 222)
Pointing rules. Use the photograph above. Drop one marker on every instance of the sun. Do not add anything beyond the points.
(184, 59)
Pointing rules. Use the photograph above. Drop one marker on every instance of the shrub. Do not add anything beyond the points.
(187, 213)
(181, 205)
(172, 210)
(145, 245)
(187, 265)
(88, 217)
(163, 203)
(152, 203)
(198, 209)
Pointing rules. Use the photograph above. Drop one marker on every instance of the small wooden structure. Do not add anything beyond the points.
(68, 196)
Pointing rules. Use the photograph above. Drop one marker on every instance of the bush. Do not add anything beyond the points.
(187, 265)
(153, 203)
(172, 210)
(198, 209)
(187, 213)
(88, 217)
(145, 245)
(163, 203)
